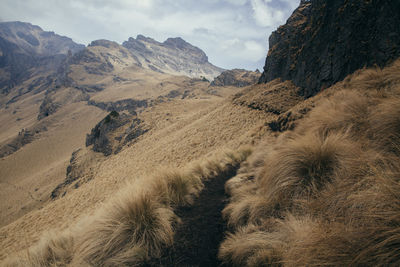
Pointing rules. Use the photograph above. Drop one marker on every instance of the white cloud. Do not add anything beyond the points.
(233, 33)
(266, 15)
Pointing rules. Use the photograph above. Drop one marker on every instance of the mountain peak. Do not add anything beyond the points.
(143, 38)
(177, 41)
(33, 40)
(104, 43)
(174, 56)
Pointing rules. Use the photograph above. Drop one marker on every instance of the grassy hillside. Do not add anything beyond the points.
(326, 193)
(181, 131)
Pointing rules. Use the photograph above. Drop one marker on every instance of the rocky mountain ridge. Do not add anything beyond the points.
(173, 56)
(26, 50)
(324, 41)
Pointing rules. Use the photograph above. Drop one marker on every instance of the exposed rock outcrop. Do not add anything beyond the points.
(24, 137)
(237, 78)
(115, 131)
(130, 105)
(324, 41)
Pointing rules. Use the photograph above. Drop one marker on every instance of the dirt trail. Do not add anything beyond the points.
(198, 238)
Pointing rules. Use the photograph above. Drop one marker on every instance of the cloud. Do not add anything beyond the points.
(233, 33)
(265, 14)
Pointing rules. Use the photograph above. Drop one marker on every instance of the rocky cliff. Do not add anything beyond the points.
(323, 41)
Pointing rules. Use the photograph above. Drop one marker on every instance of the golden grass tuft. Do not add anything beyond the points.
(346, 111)
(136, 224)
(53, 249)
(139, 222)
(252, 247)
(385, 125)
(328, 193)
(133, 227)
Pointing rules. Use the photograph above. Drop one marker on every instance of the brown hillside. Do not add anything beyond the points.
(326, 193)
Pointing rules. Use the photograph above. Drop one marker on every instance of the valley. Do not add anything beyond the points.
(146, 154)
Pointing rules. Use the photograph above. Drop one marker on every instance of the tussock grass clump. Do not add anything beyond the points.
(139, 222)
(251, 247)
(385, 125)
(130, 229)
(53, 249)
(346, 111)
(376, 79)
(176, 188)
(136, 224)
(296, 169)
(328, 193)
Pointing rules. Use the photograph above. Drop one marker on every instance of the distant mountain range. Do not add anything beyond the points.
(26, 50)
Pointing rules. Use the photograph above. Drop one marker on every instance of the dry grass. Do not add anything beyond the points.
(54, 249)
(296, 169)
(136, 224)
(131, 228)
(328, 193)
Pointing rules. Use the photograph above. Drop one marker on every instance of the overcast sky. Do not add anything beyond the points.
(233, 33)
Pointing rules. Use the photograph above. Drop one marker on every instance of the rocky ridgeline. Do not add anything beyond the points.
(237, 78)
(324, 41)
(25, 49)
(173, 56)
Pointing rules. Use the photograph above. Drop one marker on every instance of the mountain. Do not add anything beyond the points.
(52, 100)
(173, 56)
(25, 48)
(324, 41)
(112, 161)
(27, 51)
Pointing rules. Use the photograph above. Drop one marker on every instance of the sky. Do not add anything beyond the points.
(233, 33)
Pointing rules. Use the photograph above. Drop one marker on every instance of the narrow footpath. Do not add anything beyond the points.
(198, 238)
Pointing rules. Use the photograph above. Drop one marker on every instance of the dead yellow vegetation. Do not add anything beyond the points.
(327, 193)
(135, 225)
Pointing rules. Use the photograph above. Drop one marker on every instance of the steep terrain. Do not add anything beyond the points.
(324, 41)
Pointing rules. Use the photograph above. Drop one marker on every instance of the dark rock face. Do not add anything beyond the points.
(130, 105)
(72, 174)
(99, 136)
(324, 41)
(115, 131)
(47, 108)
(236, 77)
